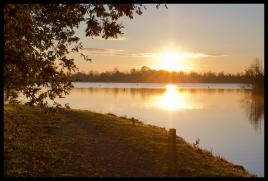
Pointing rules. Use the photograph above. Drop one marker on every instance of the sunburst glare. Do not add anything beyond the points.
(171, 61)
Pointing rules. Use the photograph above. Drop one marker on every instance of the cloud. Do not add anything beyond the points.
(112, 39)
(112, 52)
(199, 55)
(117, 52)
(104, 51)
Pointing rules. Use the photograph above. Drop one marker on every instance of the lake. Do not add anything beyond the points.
(227, 118)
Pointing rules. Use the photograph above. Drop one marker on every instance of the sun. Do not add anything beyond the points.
(170, 61)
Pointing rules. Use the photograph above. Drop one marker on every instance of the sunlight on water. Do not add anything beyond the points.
(173, 100)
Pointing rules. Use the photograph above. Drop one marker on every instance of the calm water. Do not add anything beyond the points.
(227, 119)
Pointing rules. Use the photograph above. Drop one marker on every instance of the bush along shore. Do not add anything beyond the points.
(88, 144)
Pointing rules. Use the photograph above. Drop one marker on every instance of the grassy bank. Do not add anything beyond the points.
(84, 143)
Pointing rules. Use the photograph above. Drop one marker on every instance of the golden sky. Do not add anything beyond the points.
(184, 37)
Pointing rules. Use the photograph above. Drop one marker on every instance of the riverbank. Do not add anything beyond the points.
(84, 143)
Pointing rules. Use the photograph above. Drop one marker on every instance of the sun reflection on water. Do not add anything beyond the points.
(173, 100)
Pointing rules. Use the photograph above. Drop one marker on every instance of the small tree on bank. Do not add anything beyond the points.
(255, 73)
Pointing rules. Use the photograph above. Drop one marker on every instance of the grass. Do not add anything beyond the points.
(84, 143)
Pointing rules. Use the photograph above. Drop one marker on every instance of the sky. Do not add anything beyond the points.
(184, 37)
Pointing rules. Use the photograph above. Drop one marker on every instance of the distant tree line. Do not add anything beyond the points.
(252, 74)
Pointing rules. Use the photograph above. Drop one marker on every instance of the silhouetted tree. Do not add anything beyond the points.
(255, 74)
(38, 38)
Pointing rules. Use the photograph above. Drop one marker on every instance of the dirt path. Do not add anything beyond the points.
(90, 151)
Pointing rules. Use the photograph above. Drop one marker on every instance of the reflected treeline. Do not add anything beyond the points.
(146, 93)
(213, 91)
(134, 92)
(253, 103)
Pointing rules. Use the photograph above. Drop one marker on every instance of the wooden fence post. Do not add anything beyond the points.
(172, 161)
